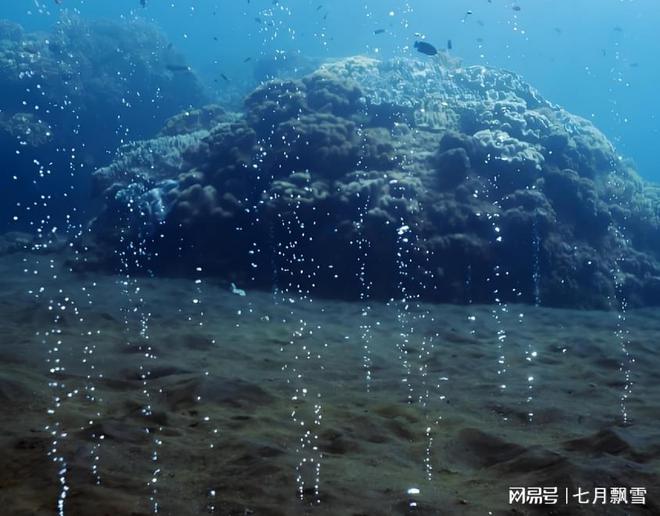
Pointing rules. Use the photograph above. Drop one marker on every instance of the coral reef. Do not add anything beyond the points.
(85, 86)
(99, 69)
(427, 181)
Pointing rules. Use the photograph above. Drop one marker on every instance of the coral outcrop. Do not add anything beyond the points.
(70, 97)
(393, 179)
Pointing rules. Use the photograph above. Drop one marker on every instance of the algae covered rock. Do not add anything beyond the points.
(88, 86)
(437, 182)
(100, 68)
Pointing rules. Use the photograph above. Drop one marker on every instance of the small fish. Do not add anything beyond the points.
(617, 29)
(143, 3)
(634, 64)
(319, 7)
(426, 48)
(257, 19)
(169, 46)
(379, 31)
(467, 13)
(247, 59)
(224, 77)
(517, 8)
(449, 44)
(178, 68)
(58, 2)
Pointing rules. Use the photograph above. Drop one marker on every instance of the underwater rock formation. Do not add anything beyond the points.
(101, 68)
(435, 182)
(86, 86)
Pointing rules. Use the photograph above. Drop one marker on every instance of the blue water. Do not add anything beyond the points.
(597, 59)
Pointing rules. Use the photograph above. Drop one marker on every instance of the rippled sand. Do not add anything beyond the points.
(231, 399)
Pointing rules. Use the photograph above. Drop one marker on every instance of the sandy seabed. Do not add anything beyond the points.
(187, 398)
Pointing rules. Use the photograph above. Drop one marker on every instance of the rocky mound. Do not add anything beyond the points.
(391, 179)
(70, 97)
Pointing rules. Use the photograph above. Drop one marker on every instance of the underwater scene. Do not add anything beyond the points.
(329, 257)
